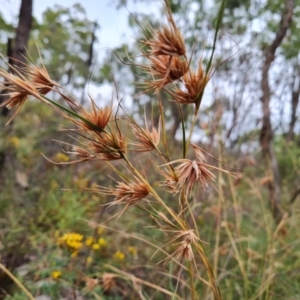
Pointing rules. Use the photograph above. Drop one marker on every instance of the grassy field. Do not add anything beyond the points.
(59, 240)
(141, 215)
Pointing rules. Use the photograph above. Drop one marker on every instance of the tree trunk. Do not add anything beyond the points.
(295, 101)
(266, 133)
(23, 31)
(16, 52)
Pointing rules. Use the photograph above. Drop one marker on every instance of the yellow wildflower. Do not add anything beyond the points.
(96, 246)
(15, 141)
(74, 253)
(102, 242)
(100, 230)
(74, 244)
(61, 157)
(56, 274)
(132, 250)
(76, 236)
(72, 240)
(89, 240)
(119, 256)
(89, 260)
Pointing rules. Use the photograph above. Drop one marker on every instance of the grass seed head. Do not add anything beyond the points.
(167, 41)
(108, 282)
(125, 192)
(109, 146)
(170, 182)
(198, 152)
(81, 153)
(193, 87)
(167, 69)
(148, 139)
(99, 117)
(192, 171)
(16, 99)
(17, 89)
(39, 77)
(130, 193)
(184, 252)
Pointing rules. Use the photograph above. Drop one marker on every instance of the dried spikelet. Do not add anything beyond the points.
(170, 181)
(108, 281)
(184, 251)
(167, 69)
(94, 120)
(98, 117)
(193, 87)
(131, 192)
(18, 89)
(125, 192)
(163, 70)
(81, 153)
(198, 152)
(109, 146)
(16, 99)
(91, 283)
(15, 84)
(167, 41)
(190, 172)
(39, 77)
(148, 139)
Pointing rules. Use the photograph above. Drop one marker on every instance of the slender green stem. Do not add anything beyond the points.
(219, 21)
(183, 133)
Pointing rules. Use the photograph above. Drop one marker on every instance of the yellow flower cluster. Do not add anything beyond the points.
(132, 250)
(95, 244)
(89, 241)
(14, 141)
(89, 260)
(119, 256)
(100, 230)
(61, 157)
(72, 240)
(56, 274)
(76, 241)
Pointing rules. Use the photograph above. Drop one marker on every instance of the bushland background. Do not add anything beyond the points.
(248, 122)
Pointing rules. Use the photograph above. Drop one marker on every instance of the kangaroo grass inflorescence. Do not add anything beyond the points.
(101, 136)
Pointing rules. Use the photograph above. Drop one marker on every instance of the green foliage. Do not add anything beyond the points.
(63, 38)
(48, 216)
(288, 160)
